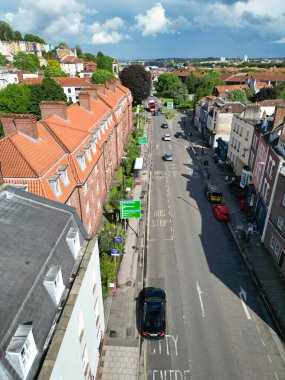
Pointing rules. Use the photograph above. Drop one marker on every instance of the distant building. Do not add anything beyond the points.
(51, 300)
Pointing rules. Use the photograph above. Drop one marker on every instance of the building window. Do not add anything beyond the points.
(265, 190)
(254, 143)
(69, 90)
(55, 185)
(73, 241)
(280, 223)
(70, 98)
(54, 284)
(22, 350)
(80, 327)
(247, 135)
(62, 171)
(241, 129)
(272, 242)
(277, 248)
(283, 200)
(238, 146)
(93, 145)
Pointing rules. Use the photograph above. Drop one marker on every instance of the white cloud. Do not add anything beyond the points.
(153, 21)
(281, 41)
(109, 32)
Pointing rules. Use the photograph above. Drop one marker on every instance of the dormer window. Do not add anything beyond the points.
(73, 241)
(81, 160)
(87, 151)
(62, 171)
(55, 185)
(92, 142)
(54, 284)
(22, 350)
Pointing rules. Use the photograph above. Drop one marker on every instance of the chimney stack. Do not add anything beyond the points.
(85, 100)
(111, 85)
(57, 108)
(27, 124)
(9, 126)
(100, 88)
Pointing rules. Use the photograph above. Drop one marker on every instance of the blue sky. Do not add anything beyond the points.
(129, 29)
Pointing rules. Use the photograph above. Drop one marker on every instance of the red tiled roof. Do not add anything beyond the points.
(237, 78)
(261, 77)
(230, 88)
(72, 82)
(32, 80)
(72, 59)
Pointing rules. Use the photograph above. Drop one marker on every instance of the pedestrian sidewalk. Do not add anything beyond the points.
(261, 265)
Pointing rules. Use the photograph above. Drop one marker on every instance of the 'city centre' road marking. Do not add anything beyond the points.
(199, 291)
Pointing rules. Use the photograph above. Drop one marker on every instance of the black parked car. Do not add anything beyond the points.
(178, 134)
(154, 313)
(164, 125)
(159, 109)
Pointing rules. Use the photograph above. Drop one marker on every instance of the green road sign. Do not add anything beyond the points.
(130, 209)
(170, 105)
(142, 140)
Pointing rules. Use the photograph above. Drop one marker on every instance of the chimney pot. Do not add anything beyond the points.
(9, 126)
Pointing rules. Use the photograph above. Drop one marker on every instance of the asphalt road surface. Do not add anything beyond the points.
(217, 326)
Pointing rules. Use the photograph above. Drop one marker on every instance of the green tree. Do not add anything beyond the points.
(53, 63)
(53, 72)
(281, 90)
(17, 36)
(192, 82)
(27, 62)
(164, 82)
(178, 92)
(138, 80)
(101, 76)
(33, 38)
(107, 268)
(47, 90)
(238, 95)
(6, 32)
(62, 45)
(264, 94)
(3, 60)
(88, 57)
(206, 86)
(104, 62)
(15, 98)
(79, 51)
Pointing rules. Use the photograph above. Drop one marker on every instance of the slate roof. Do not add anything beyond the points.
(33, 234)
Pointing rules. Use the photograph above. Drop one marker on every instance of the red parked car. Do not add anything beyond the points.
(222, 212)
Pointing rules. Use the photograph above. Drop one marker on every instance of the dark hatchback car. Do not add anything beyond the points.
(164, 125)
(178, 134)
(153, 325)
(159, 109)
(213, 194)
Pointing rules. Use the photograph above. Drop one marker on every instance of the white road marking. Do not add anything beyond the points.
(156, 146)
(199, 291)
(242, 296)
(269, 358)
(276, 376)
(194, 151)
(148, 211)
(258, 329)
(263, 342)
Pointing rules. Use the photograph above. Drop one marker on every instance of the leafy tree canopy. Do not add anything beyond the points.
(33, 38)
(6, 32)
(3, 60)
(178, 92)
(264, 94)
(104, 62)
(15, 98)
(62, 45)
(238, 95)
(79, 51)
(88, 57)
(138, 80)
(47, 90)
(53, 72)
(49, 54)
(100, 76)
(27, 62)
(53, 63)
(192, 82)
(206, 85)
(18, 36)
(164, 82)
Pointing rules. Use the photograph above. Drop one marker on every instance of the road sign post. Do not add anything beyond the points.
(130, 209)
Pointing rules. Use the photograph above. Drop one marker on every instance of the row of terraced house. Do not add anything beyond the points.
(251, 140)
(54, 175)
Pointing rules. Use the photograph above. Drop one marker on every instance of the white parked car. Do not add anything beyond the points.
(166, 137)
